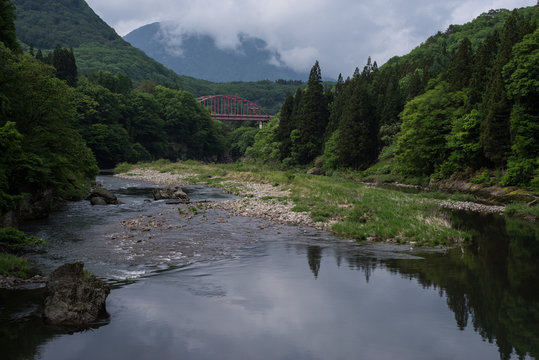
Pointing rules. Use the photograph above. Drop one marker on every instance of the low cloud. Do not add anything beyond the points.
(341, 34)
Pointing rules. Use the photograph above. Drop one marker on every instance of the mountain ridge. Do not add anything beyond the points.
(199, 57)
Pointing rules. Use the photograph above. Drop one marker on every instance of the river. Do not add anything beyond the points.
(195, 283)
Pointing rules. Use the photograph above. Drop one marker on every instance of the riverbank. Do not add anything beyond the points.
(338, 205)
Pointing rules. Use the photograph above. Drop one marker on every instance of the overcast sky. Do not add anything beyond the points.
(341, 34)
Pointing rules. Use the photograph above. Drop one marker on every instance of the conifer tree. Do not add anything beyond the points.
(312, 119)
(336, 107)
(495, 137)
(8, 34)
(484, 60)
(460, 68)
(286, 126)
(39, 55)
(64, 62)
(358, 127)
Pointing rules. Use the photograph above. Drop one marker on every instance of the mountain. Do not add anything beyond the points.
(72, 23)
(199, 57)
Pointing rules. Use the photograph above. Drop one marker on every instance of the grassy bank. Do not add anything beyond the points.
(13, 242)
(354, 210)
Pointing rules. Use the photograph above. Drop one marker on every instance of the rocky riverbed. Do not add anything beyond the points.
(271, 202)
(263, 201)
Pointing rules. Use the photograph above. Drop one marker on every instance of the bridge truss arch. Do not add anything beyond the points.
(229, 107)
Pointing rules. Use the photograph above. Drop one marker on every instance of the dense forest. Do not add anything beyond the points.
(462, 105)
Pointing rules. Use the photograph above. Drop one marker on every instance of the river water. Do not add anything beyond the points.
(194, 283)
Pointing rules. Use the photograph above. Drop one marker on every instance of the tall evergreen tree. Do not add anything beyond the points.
(312, 118)
(8, 34)
(496, 109)
(336, 107)
(64, 62)
(461, 66)
(484, 60)
(286, 126)
(358, 127)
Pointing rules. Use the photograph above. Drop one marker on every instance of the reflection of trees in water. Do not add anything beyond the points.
(356, 260)
(490, 285)
(314, 256)
(493, 282)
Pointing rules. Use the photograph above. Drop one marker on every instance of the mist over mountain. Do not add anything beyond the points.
(197, 55)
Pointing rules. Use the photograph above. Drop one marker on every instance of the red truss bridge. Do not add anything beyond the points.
(228, 107)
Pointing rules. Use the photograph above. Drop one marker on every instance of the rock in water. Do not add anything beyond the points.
(75, 298)
(105, 195)
(171, 192)
(98, 200)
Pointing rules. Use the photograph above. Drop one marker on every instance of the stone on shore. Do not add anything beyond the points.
(74, 298)
(170, 192)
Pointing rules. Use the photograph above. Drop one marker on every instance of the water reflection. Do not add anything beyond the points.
(302, 294)
(314, 256)
(491, 285)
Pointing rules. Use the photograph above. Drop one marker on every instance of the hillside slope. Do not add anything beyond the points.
(72, 23)
(199, 57)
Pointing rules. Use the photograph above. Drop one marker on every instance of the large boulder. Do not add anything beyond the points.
(75, 298)
(170, 192)
(102, 197)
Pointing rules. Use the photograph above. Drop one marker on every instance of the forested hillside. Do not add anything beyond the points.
(463, 104)
(73, 24)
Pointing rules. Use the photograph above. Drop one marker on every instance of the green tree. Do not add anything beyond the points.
(496, 108)
(286, 125)
(265, 148)
(463, 144)
(8, 36)
(312, 118)
(426, 121)
(11, 162)
(522, 74)
(460, 67)
(484, 61)
(357, 144)
(64, 62)
(144, 125)
(41, 107)
(192, 132)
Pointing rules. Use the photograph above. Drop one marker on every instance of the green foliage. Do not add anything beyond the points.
(13, 240)
(13, 158)
(53, 155)
(463, 143)
(426, 121)
(523, 164)
(11, 265)
(63, 61)
(7, 25)
(241, 139)
(312, 119)
(189, 126)
(459, 72)
(522, 71)
(330, 158)
(357, 145)
(266, 147)
(523, 88)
